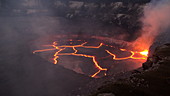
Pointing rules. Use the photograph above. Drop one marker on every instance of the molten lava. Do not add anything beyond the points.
(60, 48)
(145, 52)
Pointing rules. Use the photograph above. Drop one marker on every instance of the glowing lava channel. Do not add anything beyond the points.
(63, 47)
(144, 53)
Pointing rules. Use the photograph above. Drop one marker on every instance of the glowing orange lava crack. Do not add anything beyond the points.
(63, 47)
(144, 53)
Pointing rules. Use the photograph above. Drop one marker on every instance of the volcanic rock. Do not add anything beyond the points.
(160, 53)
(147, 65)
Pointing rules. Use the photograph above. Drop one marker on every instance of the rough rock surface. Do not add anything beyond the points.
(119, 15)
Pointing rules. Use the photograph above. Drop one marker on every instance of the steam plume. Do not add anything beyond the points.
(155, 21)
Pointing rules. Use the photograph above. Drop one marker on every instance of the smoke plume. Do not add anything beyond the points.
(155, 21)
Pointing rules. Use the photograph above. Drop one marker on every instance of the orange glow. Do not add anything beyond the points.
(43, 50)
(145, 52)
(61, 48)
(96, 73)
(129, 57)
